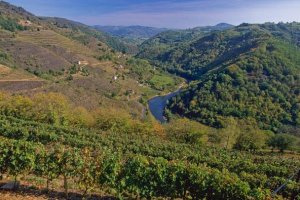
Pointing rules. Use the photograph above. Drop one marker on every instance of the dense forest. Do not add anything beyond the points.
(250, 71)
(161, 43)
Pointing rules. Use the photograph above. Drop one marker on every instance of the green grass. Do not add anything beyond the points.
(161, 81)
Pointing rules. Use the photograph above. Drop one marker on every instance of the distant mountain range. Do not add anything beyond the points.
(218, 27)
(142, 33)
(131, 32)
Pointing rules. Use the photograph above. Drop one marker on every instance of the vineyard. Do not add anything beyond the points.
(135, 164)
(75, 114)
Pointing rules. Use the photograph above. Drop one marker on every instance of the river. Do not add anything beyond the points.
(157, 105)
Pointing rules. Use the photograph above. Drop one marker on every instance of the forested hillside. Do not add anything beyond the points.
(156, 46)
(133, 33)
(250, 71)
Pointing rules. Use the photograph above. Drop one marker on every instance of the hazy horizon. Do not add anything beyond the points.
(167, 13)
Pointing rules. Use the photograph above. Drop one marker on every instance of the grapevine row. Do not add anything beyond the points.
(140, 176)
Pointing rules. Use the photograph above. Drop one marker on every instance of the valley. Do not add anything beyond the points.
(137, 112)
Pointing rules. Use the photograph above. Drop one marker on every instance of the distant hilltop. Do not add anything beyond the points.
(142, 33)
(132, 32)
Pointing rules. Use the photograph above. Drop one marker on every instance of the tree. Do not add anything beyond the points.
(186, 131)
(112, 120)
(51, 108)
(281, 142)
(251, 140)
(81, 117)
(229, 133)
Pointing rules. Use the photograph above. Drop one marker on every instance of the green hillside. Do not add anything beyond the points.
(133, 34)
(258, 79)
(250, 71)
(157, 46)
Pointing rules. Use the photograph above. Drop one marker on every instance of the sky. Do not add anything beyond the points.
(165, 13)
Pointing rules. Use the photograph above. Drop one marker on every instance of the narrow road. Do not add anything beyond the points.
(22, 80)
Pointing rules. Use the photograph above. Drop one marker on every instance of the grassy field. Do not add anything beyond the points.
(162, 81)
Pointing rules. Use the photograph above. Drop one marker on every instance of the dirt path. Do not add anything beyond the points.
(5, 195)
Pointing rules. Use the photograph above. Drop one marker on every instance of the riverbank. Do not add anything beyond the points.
(157, 104)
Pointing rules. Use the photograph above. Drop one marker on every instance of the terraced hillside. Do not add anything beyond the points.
(87, 35)
(58, 55)
(49, 38)
(17, 80)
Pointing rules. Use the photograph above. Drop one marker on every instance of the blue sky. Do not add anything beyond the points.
(166, 13)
